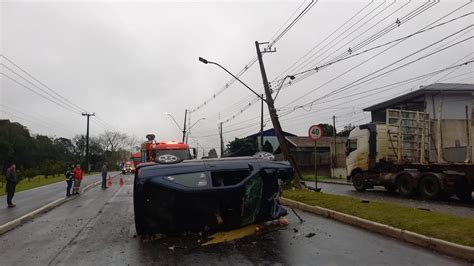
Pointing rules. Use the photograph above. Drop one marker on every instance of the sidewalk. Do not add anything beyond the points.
(32, 199)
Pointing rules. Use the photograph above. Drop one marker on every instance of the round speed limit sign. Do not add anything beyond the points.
(315, 132)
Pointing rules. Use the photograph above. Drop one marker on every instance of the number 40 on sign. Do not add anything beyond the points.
(315, 132)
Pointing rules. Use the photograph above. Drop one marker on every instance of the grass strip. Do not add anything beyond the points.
(433, 224)
(35, 182)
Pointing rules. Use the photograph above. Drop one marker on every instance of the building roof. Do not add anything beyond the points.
(269, 132)
(307, 142)
(448, 88)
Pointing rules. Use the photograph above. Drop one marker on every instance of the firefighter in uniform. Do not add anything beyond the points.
(69, 180)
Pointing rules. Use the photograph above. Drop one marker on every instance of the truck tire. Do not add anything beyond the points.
(390, 187)
(405, 185)
(358, 182)
(464, 193)
(429, 187)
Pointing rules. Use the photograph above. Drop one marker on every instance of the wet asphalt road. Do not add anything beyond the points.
(97, 228)
(32, 199)
(448, 206)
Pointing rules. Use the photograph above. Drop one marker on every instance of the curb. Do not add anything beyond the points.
(441, 246)
(329, 182)
(335, 182)
(46, 208)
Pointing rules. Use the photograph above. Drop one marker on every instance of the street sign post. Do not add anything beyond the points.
(315, 132)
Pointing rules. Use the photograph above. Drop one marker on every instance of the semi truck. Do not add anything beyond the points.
(406, 153)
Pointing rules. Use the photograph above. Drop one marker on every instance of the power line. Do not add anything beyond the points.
(35, 79)
(254, 60)
(439, 19)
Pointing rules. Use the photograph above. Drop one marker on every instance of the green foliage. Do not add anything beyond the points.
(347, 129)
(433, 224)
(328, 130)
(241, 147)
(212, 153)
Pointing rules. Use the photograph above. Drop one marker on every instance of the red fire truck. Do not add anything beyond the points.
(151, 150)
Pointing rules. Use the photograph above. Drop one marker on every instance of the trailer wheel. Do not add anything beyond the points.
(390, 187)
(429, 187)
(358, 182)
(464, 193)
(405, 185)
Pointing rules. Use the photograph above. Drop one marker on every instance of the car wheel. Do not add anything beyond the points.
(264, 155)
(358, 181)
(406, 185)
(429, 187)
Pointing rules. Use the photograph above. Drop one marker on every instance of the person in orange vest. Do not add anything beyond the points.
(77, 179)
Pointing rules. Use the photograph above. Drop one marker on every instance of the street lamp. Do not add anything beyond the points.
(187, 132)
(281, 85)
(217, 64)
(176, 122)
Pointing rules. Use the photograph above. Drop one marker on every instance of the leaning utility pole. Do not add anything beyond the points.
(274, 117)
(184, 126)
(261, 125)
(222, 139)
(87, 140)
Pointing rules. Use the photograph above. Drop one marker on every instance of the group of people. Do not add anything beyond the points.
(74, 176)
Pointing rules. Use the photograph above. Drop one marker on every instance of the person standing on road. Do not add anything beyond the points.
(12, 180)
(77, 179)
(69, 180)
(104, 175)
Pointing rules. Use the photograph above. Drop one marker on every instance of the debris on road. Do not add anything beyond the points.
(299, 217)
(176, 247)
(310, 235)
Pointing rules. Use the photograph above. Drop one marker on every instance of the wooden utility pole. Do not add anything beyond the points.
(274, 117)
(184, 126)
(87, 141)
(222, 139)
(334, 162)
(261, 125)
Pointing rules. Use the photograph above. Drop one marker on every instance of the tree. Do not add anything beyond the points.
(132, 142)
(212, 153)
(328, 130)
(113, 140)
(347, 129)
(267, 146)
(241, 147)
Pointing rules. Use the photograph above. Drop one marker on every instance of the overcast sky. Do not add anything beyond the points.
(130, 62)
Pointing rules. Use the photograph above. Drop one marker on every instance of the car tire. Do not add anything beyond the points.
(358, 181)
(405, 185)
(429, 187)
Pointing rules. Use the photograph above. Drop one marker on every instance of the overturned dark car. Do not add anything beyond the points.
(211, 194)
